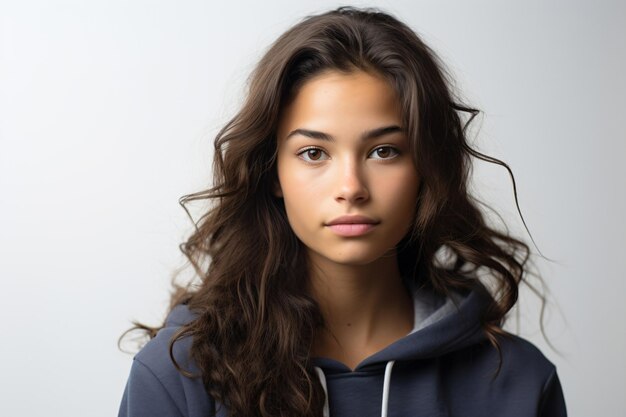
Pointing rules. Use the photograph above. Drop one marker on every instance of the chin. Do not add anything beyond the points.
(351, 258)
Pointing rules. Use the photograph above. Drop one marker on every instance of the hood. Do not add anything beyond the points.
(442, 324)
(442, 368)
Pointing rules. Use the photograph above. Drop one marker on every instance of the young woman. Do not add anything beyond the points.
(339, 263)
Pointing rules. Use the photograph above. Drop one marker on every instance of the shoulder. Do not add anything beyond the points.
(521, 355)
(154, 379)
(527, 368)
(519, 361)
(516, 363)
(519, 374)
(155, 355)
(524, 365)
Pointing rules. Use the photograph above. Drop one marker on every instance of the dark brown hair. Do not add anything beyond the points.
(256, 321)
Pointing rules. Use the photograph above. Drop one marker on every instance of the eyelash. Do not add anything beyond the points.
(305, 150)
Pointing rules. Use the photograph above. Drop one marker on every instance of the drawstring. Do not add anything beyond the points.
(322, 378)
(386, 384)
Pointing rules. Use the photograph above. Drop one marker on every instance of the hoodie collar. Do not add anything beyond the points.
(442, 324)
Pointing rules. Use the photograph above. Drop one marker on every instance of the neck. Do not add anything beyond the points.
(365, 307)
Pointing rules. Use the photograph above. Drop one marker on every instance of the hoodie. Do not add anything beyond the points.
(443, 367)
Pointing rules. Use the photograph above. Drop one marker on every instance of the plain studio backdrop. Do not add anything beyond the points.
(108, 110)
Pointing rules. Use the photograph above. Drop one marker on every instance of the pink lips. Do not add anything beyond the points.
(352, 225)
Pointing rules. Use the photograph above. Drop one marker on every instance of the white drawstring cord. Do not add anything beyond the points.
(386, 384)
(322, 378)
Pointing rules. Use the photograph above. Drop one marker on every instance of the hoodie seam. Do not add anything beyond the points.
(544, 390)
(169, 395)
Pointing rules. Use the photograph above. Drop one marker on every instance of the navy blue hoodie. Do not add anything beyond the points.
(443, 367)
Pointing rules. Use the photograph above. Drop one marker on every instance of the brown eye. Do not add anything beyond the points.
(385, 152)
(312, 154)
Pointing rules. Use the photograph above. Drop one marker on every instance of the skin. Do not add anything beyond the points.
(355, 279)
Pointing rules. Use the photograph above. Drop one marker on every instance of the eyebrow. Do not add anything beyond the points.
(368, 134)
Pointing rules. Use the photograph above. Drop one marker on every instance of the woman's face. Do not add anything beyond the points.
(342, 152)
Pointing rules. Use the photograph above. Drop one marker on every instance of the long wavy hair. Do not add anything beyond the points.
(256, 322)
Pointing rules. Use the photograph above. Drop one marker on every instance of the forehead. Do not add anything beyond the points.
(333, 99)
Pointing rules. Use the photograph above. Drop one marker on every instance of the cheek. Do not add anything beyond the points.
(399, 194)
(298, 191)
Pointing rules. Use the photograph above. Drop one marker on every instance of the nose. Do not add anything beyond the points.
(351, 184)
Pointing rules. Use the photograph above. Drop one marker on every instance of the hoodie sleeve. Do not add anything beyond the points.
(552, 403)
(145, 395)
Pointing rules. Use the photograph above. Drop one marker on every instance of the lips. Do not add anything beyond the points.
(354, 219)
(350, 226)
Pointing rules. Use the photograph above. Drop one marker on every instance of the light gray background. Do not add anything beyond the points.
(108, 110)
